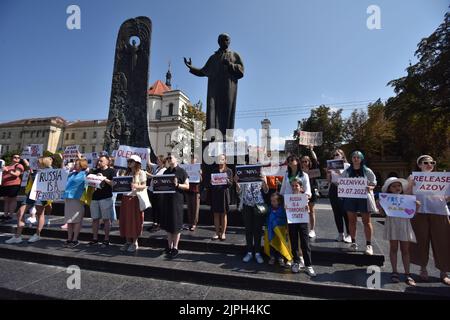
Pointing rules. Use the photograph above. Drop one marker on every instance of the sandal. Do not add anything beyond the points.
(445, 280)
(424, 275)
(192, 228)
(216, 237)
(394, 277)
(222, 237)
(409, 280)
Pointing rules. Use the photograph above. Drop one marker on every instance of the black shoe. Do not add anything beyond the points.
(167, 251)
(73, 244)
(93, 242)
(174, 253)
(105, 243)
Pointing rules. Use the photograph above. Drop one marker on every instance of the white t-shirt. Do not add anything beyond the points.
(286, 186)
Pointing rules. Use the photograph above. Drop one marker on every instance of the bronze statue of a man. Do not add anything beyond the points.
(223, 69)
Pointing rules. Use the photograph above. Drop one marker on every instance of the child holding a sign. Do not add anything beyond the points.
(398, 230)
(431, 224)
(300, 231)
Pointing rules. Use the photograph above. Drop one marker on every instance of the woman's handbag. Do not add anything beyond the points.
(371, 204)
(261, 209)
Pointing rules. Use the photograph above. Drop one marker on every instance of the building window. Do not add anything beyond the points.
(83, 149)
(31, 134)
(94, 136)
(9, 135)
(21, 135)
(158, 114)
(67, 136)
(37, 134)
(84, 135)
(7, 148)
(4, 135)
(73, 136)
(171, 109)
(168, 139)
(93, 149)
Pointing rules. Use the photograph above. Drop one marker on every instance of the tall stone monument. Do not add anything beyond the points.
(127, 119)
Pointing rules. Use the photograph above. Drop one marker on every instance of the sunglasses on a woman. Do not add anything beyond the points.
(429, 163)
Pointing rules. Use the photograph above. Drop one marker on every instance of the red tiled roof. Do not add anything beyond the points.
(158, 88)
(88, 123)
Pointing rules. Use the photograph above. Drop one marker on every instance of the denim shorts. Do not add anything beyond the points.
(355, 205)
(102, 209)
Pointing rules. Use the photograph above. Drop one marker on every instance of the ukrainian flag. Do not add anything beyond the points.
(276, 234)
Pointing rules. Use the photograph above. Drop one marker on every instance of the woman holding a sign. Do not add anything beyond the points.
(333, 174)
(221, 182)
(311, 167)
(133, 204)
(172, 204)
(354, 205)
(73, 206)
(10, 186)
(431, 224)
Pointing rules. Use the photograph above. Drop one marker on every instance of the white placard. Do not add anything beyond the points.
(95, 181)
(92, 159)
(125, 152)
(297, 210)
(193, 171)
(71, 152)
(437, 183)
(310, 138)
(25, 177)
(352, 188)
(219, 179)
(49, 184)
(314, 173)
(398, 205)
(279, 171)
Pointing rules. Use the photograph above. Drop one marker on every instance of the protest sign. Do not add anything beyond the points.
(274, 170)
(314, 173)
(249, 173)
(290, 146)
(95, 181)
(71, 152)
(32, 152)
(92, 159)
(25, 177)
(49, 184)
(125, 152)
(310, 138)
(335, 164)
(296, 206)
(398, 205)
(219, 179)
(437, 183)
(352, 188)
(164, 183)
(122, 184)
(193, 171)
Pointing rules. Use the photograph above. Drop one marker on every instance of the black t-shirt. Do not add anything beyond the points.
(106, 191)
(180, 174)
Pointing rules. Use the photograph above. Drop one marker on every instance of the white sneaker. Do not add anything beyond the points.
(369, 250)
(310, 271)
(133, 248)
(340, 237)
(288, 264)
(258, 258)
(31, 220)
(348, 239)
(247, 257)
(312, 234)
(295, 267)
(34, 238)
(354, 247)
(302, 263)
(14, 240)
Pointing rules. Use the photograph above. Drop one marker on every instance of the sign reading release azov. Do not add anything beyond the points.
(352, 188)
(49, 184)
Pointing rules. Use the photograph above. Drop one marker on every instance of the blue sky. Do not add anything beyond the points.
(296, 53)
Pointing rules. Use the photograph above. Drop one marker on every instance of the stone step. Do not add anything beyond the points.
(333, 281)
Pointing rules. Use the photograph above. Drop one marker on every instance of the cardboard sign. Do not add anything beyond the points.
(219, 179)
(249, 173)
(32, 152)
(314, 173)
(122, 184)
(95, 181)
(49, 184)
(193, 171)
(297, 210)
(352, 188)
(125, 152)
(335, 164)
(398, 205)
(71, 152)
(164, 183)
(310, 138)
(437, 183)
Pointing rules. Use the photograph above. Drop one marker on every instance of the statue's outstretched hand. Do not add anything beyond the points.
(188, 63)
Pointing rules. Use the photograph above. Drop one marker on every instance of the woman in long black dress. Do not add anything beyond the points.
(172, 207)
(220, 199)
